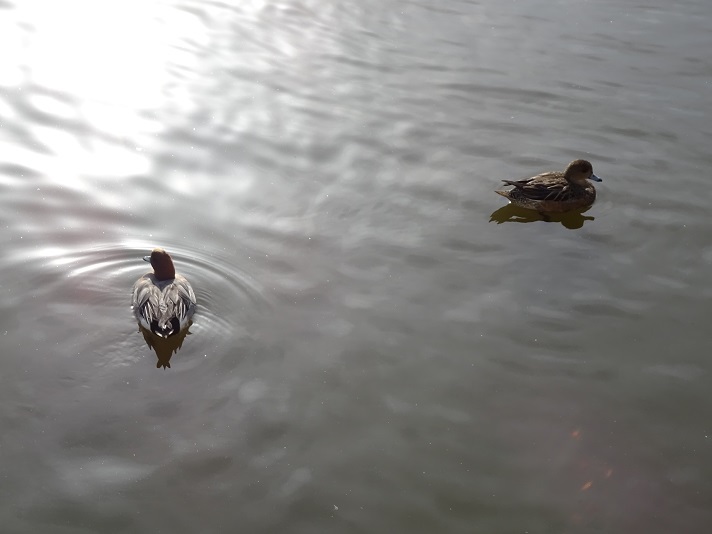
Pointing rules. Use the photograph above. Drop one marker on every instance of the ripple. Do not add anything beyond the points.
(90, 290)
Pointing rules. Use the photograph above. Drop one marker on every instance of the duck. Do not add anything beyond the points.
(163, 301)
(555, 192)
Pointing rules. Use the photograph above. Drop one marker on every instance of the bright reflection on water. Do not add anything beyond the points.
(377, 347)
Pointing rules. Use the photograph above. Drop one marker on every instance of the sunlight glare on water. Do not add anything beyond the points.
(113, 59)
(112, 53)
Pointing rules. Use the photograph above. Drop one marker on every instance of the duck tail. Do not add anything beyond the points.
(166, 330)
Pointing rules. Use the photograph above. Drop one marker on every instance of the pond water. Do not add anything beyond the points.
(381, 345)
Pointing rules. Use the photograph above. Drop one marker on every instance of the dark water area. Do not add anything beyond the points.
(381, 344)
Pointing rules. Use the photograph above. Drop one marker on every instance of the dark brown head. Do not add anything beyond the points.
(162, 264)
(578, 171)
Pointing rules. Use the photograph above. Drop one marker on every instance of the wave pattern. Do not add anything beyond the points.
(376, 346)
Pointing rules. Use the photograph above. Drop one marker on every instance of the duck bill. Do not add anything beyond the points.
(593, 177)
(148, 258)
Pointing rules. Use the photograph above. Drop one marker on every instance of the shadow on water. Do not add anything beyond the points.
(164, 348)
(510, 213)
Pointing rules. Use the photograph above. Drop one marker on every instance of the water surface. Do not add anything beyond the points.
(380, 345)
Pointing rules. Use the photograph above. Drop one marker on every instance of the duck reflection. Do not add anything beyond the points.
(511, 213)
(164, 347)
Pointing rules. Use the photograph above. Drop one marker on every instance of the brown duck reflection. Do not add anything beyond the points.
(511, 213)
(164, 347)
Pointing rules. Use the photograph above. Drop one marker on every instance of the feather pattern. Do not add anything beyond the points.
(163, 302)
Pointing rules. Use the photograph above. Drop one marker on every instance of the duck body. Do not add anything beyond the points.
(555, 192)
(163, 302)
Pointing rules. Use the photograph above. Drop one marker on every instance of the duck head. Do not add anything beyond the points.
(162, 264)
(578, 171)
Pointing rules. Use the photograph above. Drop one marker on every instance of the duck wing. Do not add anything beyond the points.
(147, 301)
(179, 301)
(547, 186)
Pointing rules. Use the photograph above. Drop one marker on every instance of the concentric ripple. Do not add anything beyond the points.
(89, 291)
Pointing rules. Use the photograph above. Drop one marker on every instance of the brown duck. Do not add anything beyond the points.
(555, 192)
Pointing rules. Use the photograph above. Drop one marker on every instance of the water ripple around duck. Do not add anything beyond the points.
(90, 290)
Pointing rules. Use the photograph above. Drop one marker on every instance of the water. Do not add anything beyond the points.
(380, 345)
